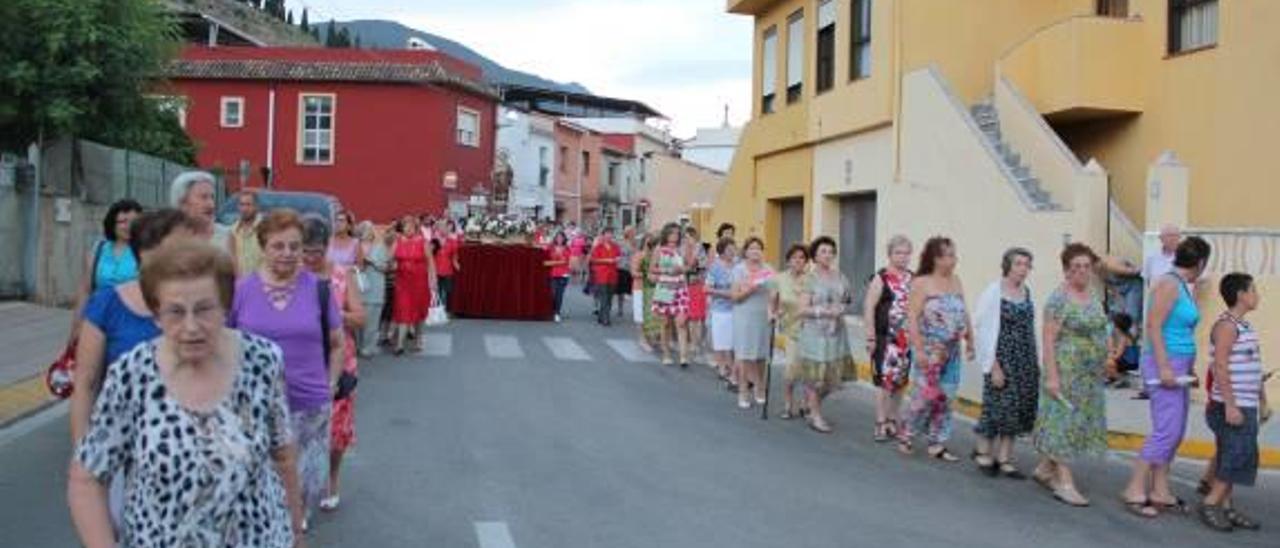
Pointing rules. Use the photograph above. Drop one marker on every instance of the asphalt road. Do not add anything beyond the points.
(562, 436)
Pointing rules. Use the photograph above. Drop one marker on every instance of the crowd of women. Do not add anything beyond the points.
(215, 385)
(1042, 381)
(216, 366)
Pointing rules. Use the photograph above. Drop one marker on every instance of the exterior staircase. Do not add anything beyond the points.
(989, 122)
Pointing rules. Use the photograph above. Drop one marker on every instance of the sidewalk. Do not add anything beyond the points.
(31, 338)
(1128, 420)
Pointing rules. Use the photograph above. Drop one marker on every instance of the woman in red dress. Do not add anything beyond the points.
(415, 283)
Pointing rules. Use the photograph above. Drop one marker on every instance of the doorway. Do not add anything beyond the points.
(791, 227)
(858, 243)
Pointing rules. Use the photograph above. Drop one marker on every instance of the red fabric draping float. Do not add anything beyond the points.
(508, 282)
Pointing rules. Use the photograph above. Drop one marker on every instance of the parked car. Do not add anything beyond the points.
(303, 202)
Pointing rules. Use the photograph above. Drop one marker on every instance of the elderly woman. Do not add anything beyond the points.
(885, 319)
(823, 356)
(194, 193)
(415, 282)
(1072, 418)
(1167, 366)
(315, 237)
(110, 262)
(1006, 340)
(283, 302)
(373, 287)
(196, 420)
(753, 285)
(720, 289)
(789, 302)
(937, 322)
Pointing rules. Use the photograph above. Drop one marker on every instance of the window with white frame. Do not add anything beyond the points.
(825, 73)
(232, 112)
(1193, 24)
(316, 117)
(795, 56)
(860, 56)
(768, 69)
(468, 127)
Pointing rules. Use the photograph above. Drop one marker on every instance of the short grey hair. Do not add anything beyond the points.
(897, 241)
(365, 228)
(182, 185)
(1006, 262)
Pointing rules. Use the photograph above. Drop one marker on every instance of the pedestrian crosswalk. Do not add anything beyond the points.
(512, 347)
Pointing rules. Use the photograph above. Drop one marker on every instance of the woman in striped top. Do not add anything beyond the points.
(1235, 399)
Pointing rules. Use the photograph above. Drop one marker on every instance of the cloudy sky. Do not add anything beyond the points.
(685, 58)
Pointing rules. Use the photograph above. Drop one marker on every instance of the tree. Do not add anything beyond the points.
(289, 18)
(357, 42)
(331, 35)
(86, 68)
(305, 25)
(344, 38)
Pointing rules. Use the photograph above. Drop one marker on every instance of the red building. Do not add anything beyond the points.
(388, 132)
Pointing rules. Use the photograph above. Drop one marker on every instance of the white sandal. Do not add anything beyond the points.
(330, 504)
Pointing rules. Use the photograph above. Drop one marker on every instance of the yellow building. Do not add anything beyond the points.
(1013, 122)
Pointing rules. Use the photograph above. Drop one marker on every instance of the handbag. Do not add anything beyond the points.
(60, 377)
(436, 315)
(346, 385)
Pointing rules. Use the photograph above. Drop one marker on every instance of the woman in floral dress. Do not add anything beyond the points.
(824, 359)
(653, 324)
(1073, 421)
(1006, 335)
(885, 308)
(671, 293)
(938, 321)
(788, 301)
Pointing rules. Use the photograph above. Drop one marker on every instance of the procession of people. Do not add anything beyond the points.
(215, 393)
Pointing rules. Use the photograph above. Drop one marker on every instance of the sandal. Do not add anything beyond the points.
(943, 454)
(1043, 478)
(787, 414)
(822, 428)
(1069, 496)
(881, 434)
(904, 447)
(1215, 518)
(1008, 470)
(1240, 520)
(1141, 508)
(1178, 505)
(1204, 487)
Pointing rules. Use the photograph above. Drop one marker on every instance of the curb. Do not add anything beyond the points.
(1268, 457)
(24, 398)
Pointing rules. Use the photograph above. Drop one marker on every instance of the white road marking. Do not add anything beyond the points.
(564, 348)
(503, 346)
(438, 345)
(494, 534)
(629, 350)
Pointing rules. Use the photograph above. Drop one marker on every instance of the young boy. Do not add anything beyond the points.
(1236, 397)
(1122, 351)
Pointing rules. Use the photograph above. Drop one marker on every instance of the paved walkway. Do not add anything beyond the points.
(32, 337)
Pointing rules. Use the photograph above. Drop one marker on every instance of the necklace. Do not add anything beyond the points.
(279, 294)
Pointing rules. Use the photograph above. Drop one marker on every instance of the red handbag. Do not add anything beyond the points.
(60, 378)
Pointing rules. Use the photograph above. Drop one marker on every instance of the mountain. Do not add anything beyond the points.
(390, 34)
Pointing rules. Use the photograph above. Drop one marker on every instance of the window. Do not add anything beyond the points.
(468, 127)
(1193, 24)
(768, 70)
(826, 69)
(1113, 8)
(232, 112)
(860, 54)
(795, 56)
(643, 169)
(586, 164)
(544, 166)
(612, 177)
(564, 159)
(316, 118)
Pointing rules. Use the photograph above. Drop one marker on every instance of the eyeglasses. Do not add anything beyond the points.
(206, 312)
(313, 251)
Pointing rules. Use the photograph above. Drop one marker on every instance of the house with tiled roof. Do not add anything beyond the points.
(388, 132)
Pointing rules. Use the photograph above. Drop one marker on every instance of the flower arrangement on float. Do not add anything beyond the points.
(505, 228)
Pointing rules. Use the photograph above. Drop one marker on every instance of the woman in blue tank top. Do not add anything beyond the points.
(1167, 360)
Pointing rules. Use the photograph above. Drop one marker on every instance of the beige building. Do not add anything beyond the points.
(1013, 122)
(681, 189)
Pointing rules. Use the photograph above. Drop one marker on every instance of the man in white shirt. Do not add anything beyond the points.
(1161, 263)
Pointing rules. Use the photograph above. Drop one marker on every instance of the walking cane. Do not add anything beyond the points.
(768, 371)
